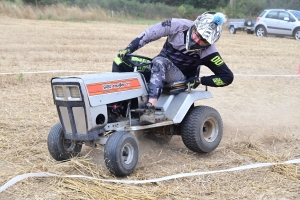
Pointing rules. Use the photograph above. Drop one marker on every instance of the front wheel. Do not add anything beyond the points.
(297, 34)
(202, 129)
(261, 31)
(59, 147)
(121, 153)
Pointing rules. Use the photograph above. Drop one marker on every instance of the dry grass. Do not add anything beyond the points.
(261, 117)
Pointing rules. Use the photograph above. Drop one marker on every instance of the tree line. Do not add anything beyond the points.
(150, 9)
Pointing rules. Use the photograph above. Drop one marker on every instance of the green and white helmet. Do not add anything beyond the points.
(209, 26)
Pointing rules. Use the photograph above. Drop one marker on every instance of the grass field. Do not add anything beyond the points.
(261, 117)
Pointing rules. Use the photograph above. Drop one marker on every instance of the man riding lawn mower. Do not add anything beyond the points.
(188, 45)
(157, 97)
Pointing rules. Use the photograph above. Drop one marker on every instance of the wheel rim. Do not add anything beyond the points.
(68, 145)
(297, 35)
(210, 129)
(260, 32)
(231, 30)
(127, 153)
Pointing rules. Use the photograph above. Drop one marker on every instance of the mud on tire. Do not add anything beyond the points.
(202, 129)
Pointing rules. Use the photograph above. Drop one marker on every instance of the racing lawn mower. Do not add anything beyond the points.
(104, 109)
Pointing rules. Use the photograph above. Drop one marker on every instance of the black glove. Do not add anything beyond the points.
(122, 53)
(194, 82)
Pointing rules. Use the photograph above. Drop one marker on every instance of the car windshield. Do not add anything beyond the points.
(296, 13)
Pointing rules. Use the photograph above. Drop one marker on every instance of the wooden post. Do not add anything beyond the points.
(232, 5)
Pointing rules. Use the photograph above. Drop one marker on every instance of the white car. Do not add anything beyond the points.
(279, 22)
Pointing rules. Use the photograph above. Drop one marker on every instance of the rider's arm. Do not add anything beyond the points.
(222, 74)
(157, 31)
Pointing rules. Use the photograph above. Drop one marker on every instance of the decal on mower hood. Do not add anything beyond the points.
(113, 86)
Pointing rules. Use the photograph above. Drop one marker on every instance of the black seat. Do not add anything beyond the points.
(175, 87)
(179, 86)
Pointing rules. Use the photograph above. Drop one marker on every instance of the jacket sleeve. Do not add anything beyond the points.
(155, 32)
(223, 76)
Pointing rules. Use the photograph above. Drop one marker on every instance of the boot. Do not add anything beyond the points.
(148, 117)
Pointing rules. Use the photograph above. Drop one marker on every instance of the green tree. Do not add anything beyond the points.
(176, 8)
(40, 2)
(250, 8)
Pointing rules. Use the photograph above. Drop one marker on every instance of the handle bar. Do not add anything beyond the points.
(137, 60)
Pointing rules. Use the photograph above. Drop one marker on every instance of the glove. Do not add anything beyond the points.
(194, 82)
(122, 53)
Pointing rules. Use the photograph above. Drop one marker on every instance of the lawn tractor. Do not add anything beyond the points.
(104, 109)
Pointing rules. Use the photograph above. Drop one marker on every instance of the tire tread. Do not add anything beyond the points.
(189, 129)
(111, 154)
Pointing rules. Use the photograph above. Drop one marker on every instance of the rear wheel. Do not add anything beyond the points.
(202, 129)
(121, 153)
(232, 30)
(59, 147)
(297, 34)
(261, 31)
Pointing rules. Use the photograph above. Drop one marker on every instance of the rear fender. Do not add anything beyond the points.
(175, 107)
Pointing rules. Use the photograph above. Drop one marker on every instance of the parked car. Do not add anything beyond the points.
(240, 24)
(279, 22)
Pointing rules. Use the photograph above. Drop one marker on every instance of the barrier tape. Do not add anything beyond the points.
(56, 71)
(268, 75)
(45, 72)
(46, 174)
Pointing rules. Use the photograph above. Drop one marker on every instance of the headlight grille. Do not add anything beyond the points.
(74, 92)
(59, 91)
(67, 93)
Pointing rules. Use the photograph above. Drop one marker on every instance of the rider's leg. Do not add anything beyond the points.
(162, 71)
